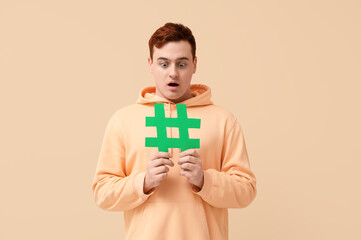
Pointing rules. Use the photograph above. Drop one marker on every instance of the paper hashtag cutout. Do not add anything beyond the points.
(161, 123)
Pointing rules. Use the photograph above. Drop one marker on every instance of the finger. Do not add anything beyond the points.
(189, 152)
(161, 155)
(161, 176)
(189, 159)
(161, 162)
(185, 173)
(160, 170)
(188, 166)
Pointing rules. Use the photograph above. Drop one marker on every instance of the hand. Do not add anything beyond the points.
(156, 170)
(191, 166)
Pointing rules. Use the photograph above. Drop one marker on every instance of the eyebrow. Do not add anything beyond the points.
(181, 58)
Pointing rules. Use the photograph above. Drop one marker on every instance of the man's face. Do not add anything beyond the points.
(172, 68)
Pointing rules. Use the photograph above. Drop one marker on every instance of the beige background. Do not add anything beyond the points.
(289, 70)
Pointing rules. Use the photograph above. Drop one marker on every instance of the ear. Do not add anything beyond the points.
(150, 64)
(195, 64)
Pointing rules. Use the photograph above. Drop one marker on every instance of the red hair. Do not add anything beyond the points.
(171, 32)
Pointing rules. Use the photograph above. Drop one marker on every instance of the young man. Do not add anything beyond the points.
(174, 195)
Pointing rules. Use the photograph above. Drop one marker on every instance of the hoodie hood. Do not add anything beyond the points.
(201, 96)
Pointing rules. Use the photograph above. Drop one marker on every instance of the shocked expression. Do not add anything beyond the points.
(173, 67)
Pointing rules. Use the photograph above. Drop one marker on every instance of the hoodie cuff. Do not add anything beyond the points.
(139, 184)
(207, 184)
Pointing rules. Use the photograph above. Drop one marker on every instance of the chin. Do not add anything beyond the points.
(173, 98)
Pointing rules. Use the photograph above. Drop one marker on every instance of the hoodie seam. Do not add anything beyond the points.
(232, 127)
(118, 131)
(118, 128)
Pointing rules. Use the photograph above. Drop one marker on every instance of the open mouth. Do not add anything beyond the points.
(173, 84)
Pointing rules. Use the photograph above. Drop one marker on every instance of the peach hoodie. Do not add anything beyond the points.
(174, 211)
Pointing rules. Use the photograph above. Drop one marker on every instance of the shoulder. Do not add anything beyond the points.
(221, 113)
(220, 117)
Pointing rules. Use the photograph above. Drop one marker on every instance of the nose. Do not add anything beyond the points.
(173, 73)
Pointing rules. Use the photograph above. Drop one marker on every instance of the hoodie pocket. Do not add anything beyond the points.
(172, 220)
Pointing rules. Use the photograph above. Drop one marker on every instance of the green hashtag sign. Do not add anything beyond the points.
(161, 123)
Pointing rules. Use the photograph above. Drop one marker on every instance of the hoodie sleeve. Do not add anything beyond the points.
(235, 185)
(112, 189)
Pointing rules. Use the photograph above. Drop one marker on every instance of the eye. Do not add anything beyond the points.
(163, 64)
(182, 64)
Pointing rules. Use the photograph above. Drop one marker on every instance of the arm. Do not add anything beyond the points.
(112, 189)
(235, 185)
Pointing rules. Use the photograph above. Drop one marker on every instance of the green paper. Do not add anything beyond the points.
(162, 142)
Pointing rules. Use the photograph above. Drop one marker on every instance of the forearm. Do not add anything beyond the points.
(223, 190)
(115, 193)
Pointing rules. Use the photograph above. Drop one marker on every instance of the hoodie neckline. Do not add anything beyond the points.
(201, 96)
